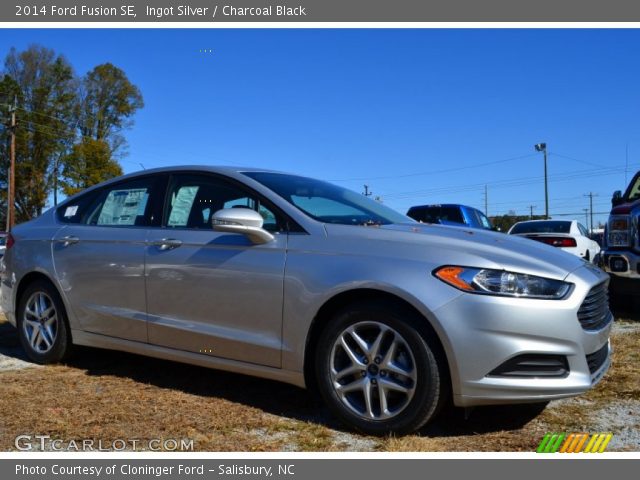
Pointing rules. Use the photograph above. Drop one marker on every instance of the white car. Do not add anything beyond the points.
(569, 235)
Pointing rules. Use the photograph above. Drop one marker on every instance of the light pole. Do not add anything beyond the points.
(542, 147)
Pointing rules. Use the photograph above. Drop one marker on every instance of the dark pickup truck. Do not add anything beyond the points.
(621, 250)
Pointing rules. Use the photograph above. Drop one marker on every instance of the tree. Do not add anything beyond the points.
(108, 102)
(61, 119)
(505, 222)
(45, 89)
(88, 163)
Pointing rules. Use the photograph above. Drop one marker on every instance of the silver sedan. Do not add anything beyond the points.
(298, 280)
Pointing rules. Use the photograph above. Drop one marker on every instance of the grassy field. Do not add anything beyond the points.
(111, 395)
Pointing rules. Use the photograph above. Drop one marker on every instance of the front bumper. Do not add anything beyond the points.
(483, 332)
(624, 264)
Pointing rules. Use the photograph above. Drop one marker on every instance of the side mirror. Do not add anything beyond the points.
(616, 199)
(241, 220)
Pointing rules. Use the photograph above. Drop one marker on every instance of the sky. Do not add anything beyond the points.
(419, 116)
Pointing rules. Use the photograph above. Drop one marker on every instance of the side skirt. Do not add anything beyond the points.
(88, 339)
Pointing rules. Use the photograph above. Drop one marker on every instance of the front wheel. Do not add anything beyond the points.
(42, 324)
(377, 372)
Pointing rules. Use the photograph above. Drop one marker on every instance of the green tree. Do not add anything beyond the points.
(108, 102)
(64, 125)
(45, 90)
(88, 163)
(505, 222)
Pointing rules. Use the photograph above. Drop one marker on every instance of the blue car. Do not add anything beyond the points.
(451, 214)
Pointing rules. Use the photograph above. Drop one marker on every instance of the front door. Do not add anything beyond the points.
(210, 292)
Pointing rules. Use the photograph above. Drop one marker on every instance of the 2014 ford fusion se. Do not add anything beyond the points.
(298, 280)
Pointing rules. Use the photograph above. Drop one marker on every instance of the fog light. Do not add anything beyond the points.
(618, 264)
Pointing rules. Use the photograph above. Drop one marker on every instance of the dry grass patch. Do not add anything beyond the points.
(111, 395)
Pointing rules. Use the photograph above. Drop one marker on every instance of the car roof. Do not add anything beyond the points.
(436, 205)
(546, 220)
(223, 170)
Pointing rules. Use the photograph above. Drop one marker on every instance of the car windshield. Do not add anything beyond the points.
(326, 202)
(634, 190)
(553, 226)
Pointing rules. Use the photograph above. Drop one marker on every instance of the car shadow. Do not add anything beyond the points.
(625, 307)
(279, 398)
(269, 396)
(10, 347)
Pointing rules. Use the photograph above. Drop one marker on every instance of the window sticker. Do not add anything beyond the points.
(122, 207)
(181, 205)
(71, 211)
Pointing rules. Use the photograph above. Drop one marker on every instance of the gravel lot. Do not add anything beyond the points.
(110, 395)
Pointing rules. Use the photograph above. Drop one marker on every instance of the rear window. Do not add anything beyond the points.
(436, 213)
(554, 226)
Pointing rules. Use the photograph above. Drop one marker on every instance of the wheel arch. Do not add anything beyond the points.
(341, 300)
(34, 276)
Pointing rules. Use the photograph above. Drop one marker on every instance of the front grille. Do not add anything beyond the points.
(594, 312)
(596, 360)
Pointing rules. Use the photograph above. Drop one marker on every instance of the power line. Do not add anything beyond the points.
(515, 182)
(433, 172)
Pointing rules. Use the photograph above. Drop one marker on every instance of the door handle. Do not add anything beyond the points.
(69, 240)
(167, 243)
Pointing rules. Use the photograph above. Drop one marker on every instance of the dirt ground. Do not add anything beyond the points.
(105, 396)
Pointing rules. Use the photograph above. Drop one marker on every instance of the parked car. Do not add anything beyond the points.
(450, 214)
(569, 235)
(621, 253)
(298, 280)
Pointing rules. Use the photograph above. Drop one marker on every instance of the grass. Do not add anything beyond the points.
(111, 395)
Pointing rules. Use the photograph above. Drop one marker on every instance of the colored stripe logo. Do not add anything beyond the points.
(574, 443)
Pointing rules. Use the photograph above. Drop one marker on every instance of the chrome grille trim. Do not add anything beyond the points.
(594, 312)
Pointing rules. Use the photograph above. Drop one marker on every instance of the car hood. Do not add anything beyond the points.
(440, 245)
(625, 208)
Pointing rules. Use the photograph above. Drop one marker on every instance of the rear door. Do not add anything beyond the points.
(99, 256)
(211, 292)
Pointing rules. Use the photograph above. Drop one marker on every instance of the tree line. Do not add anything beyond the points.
(69, 131)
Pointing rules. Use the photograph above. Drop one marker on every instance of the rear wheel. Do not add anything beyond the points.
(587, 256)
(42, 324)
(377, 372)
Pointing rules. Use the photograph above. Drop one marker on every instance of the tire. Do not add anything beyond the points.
(587, 256)
(347, 371)
(42, 324)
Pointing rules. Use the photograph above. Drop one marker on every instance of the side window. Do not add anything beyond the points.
(77, 210)
(193, 199)
(583, 231)
(124, 204)
(484, 221)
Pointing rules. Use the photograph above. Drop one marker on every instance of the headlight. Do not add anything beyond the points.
(619, 234)
(500, 282)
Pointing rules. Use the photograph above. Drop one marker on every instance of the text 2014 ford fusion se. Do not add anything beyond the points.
(298, 280)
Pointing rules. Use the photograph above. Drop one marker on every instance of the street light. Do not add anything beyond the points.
(542, 147)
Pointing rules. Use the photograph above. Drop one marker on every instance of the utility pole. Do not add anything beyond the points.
(367, 193)
(486, 200)
(591, 195)
(55, 182)
(531, 207)
(542, 147)
(11, 194)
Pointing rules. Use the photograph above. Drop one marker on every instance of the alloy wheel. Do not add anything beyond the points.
(40, 322)
(373, 370)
